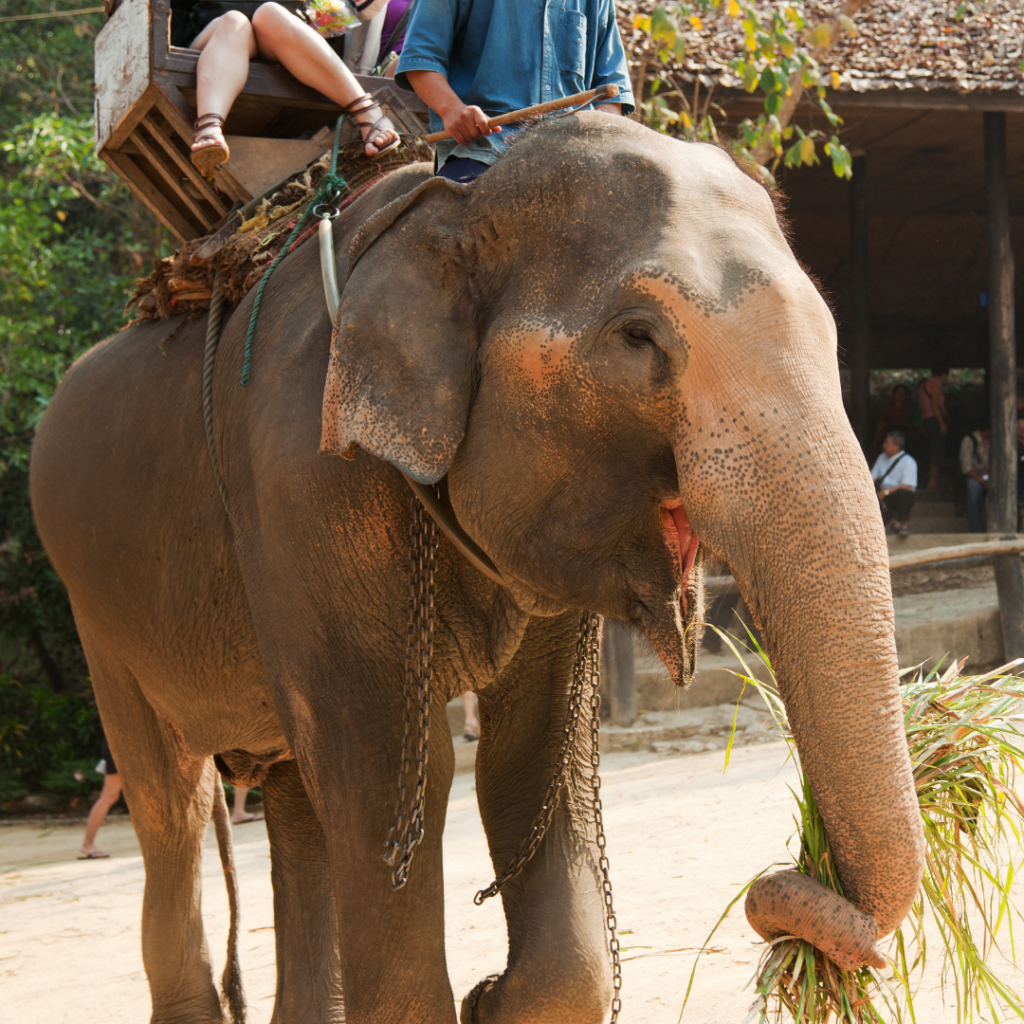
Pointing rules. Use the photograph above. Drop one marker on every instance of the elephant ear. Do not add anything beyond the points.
(400, 377)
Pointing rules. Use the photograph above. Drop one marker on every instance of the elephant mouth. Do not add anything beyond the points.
(682, 542)
(675, 635)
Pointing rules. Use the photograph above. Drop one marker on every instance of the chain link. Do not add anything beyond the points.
(407, 832)
(593, 656)
(586, 674)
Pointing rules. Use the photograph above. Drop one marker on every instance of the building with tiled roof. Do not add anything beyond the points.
(903, 250)
(903, 47)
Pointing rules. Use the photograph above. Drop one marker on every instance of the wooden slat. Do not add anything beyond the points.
(186, 166)
(131, 120)
(150, 195)
(204, 219)
(180, 115)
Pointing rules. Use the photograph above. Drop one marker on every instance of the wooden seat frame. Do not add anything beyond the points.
(145, 107)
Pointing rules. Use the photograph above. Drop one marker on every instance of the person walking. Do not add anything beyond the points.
(109, 796)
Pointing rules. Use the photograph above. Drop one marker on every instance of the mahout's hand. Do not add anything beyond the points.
(466, 123)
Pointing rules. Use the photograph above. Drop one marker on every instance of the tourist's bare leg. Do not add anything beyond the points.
(227, 45)
(282, 37)
(108, 797)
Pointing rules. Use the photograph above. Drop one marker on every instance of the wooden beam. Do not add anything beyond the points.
(988, 551)
(618, 681)
(1002, 495)
(859, 353)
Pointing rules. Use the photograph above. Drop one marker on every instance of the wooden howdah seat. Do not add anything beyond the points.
(145, 107)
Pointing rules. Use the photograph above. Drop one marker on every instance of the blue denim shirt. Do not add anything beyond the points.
(503, 55)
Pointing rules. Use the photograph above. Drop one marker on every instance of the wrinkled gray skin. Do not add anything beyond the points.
(606, 324)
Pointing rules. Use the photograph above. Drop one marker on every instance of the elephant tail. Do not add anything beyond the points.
(232, 998)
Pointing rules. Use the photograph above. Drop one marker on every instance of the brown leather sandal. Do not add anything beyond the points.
(371, 132)
(209, 150)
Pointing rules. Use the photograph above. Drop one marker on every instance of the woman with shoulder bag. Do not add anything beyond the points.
(229, 40)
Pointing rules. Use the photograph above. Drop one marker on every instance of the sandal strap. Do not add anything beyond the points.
(375, 129)
(208, 121)
(366, 100)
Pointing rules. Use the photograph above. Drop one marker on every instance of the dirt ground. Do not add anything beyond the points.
(682, 838)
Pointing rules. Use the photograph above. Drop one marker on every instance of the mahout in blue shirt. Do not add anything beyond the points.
(504, 55)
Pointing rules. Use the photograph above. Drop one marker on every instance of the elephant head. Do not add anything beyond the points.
(607, 345)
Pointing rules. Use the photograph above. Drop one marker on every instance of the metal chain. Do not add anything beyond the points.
(407, 832)
(594, 673)
(542, 822)
(586, 673)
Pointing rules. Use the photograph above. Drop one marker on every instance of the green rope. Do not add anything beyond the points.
(332, 182)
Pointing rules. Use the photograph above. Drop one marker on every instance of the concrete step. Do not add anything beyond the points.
(937, 524)
(935, 509)
(958, 623)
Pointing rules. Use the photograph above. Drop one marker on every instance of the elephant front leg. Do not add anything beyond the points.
(390, 944)
(558, 963)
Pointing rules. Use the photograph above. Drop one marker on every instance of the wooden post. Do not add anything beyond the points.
(1002, 495)
(619, 672)
(858, 357)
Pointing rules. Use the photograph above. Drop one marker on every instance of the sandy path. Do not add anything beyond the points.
(682, 840)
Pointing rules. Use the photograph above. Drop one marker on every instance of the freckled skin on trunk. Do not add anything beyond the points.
(605, 352)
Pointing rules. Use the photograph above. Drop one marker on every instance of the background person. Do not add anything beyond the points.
(471, 728)
(109, 796)
(895, 477)
(974, 464)
(469, 60)
(932, 401)
(895, 414)
(239, 816)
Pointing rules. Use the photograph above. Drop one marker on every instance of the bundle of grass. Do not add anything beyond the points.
(965, 750)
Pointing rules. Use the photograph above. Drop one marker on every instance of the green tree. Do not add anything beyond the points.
(72, 239)
(781, 60)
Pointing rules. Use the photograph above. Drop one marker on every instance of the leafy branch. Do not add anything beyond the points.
(782, 54)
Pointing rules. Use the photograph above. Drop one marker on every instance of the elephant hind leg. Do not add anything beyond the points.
(171, 796)
(305, 915)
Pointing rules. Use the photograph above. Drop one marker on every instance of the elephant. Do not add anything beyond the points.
(605, 354)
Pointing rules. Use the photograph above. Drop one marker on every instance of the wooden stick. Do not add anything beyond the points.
(606, 92)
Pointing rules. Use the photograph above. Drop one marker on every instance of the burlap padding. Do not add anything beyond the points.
(243, 249)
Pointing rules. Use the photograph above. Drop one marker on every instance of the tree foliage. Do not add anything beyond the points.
(781, 61)
(72, 238)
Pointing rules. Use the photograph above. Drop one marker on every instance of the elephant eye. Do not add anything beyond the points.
(638, 335)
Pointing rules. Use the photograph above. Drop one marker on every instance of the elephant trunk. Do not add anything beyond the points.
(804, 538)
